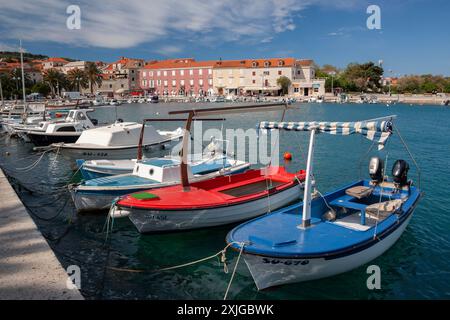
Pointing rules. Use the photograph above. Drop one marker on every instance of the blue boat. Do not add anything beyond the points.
(99, 193)
(334, 233)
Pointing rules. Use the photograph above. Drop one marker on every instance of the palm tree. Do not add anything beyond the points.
(93, 75)
(77, 79)
(55, 80)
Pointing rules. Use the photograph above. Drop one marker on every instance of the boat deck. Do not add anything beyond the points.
(279, 233)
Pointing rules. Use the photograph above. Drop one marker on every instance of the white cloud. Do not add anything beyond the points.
(7, 47)
(127, 23)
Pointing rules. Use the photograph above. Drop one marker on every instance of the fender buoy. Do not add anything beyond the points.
(287, 156)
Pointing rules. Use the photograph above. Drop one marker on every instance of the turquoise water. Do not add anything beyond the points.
(416, 267)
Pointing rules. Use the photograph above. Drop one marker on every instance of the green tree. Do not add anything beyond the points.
(55, 79)
(284, 83)
(77, 79)
(42, 88)
(93, 75)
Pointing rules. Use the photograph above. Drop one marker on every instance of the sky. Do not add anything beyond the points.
(413, 38)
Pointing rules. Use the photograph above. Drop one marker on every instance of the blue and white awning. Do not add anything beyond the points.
(374, 130)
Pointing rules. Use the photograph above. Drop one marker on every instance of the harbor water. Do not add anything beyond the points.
(416, 267)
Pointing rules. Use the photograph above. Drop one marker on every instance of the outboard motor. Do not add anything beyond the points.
(376, 170)
(400, 173)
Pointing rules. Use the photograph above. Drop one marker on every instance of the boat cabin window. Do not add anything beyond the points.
(66, 129)
(81, 116)
(71, 114)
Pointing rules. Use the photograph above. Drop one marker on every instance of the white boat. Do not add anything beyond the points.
(119, 141)
(69, 130)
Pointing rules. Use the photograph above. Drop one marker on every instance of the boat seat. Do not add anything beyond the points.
(380, 211)
(339, 202)
(359, 192)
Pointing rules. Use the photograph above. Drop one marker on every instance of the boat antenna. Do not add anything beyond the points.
(23, 79)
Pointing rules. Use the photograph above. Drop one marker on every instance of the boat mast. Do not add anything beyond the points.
(306, 219)
(210, 112)
(23, 79)
(1, 91)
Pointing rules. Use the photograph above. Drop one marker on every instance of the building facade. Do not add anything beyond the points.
(304, 83)
(252, 76)
(54, 63)
(178, 77)
(121, 77)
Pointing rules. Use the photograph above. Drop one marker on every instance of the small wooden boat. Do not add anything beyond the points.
(148, 174)
(334, 233)
(213, 202)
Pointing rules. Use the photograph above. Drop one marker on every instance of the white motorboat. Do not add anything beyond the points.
(119, 141)
(69, 130)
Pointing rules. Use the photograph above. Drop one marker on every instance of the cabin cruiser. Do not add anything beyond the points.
(119, 141)
(69, 130)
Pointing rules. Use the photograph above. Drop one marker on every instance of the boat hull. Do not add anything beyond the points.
(154, 150)
(273, 271)
(46, 140)
(149, 221)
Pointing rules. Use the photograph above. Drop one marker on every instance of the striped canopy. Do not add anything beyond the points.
(374, 130)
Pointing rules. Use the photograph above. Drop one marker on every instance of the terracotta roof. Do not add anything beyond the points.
(56, 60)
(305, 62)
(179, 63)
(256, 63)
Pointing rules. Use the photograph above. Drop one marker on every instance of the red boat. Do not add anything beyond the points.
(214, 202)
(219, 201)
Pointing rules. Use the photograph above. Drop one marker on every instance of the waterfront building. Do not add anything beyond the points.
(80, 65)
(252, 76)
(304, 83)
(178, 77)
(54, 63)
(121, 77)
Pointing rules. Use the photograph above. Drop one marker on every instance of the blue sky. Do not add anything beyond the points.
(413, 38)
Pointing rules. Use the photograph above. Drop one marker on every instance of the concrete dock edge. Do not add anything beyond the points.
(29, 270)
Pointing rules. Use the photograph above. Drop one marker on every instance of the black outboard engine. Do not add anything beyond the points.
(376, 170)
(400, 173)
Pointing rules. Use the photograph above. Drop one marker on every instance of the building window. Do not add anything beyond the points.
(158, 73)
(181, 72)
(191, 82)
(210, 81)
(165, 83)
(110, 86)
(165, 73)
(174, 83)
(209, 71)
(281, 63)
(132, 71)
(254, 73)
(280, 72)
(253, 81)
(152, 83)
(254, 64)
(132, 79)
(296, 90)
(121, 85)
(200, 72)
(191, 72)
(267, 64)
(266, 73)
(173, 73)
(200, 82)
(159, 82)
(182, 82)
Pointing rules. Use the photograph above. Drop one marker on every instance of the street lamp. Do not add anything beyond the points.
(332, 73)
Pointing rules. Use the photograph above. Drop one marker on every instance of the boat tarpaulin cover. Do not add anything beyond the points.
(378, 131)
